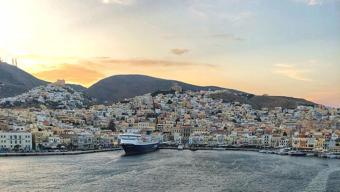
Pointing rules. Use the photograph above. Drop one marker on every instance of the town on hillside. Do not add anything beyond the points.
(176, 117)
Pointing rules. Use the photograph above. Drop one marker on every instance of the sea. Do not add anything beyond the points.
(170, 170)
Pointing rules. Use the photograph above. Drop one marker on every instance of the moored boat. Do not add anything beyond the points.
(283, 151)
(296, 153)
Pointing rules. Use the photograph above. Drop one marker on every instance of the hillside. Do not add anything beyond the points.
(258, 102)
(119, 87)
(14, 81)
(49, 96)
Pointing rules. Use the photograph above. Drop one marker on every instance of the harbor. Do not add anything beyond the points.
(169, 170)
(282, 152)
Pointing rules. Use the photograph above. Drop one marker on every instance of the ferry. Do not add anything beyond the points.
(134, 144)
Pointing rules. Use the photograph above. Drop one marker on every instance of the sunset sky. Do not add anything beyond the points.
(276, 47)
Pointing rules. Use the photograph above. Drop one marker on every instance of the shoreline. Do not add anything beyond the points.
(316, 155)
(57, 153)
(211, 148)
(161, 148)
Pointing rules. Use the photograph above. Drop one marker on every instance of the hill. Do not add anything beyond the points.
(14, 81)
(50, 96)
(119, 87)
(264, 101)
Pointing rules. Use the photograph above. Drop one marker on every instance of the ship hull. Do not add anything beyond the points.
(133, 149)
(297, 154)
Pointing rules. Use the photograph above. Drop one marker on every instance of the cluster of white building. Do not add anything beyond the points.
(55, 95)
(180, 117)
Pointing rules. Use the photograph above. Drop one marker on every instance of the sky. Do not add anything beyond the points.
(276, 47)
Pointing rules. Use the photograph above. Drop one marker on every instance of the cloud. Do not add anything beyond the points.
(227, 36)
(310, 2)
(119, 2)
(240, 17)
(178, 51)
(71, 73)
(223, 36)
(314, 2)
(87, 71)
(144, 63)
(291, 72)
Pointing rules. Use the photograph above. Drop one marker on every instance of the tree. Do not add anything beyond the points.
(112, 125)
(16, 148)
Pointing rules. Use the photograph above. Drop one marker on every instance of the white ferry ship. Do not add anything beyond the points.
(137, 144)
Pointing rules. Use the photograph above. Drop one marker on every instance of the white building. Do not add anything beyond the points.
(16, 140)
(53, 142)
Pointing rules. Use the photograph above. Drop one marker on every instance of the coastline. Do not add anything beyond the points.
(212, 148)
(57, 153)
(161, 147)
(258, 150)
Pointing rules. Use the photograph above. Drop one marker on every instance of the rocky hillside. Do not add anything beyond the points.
(264, 101)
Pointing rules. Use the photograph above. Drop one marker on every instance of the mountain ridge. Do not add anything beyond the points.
(118, 87)
(14, 81)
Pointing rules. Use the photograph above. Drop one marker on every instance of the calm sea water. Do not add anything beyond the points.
(169, 170)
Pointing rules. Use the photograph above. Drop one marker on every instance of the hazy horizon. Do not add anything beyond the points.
(288, 48)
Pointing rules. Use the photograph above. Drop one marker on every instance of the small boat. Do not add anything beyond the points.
(296, 153)
(193, 149)
(267, 151)
(332, 155)
(310, 154)
(180, 147)
(137, 144)
(323, 155)
(283, 151)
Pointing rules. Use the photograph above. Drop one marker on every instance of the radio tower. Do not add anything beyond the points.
(15, 62)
